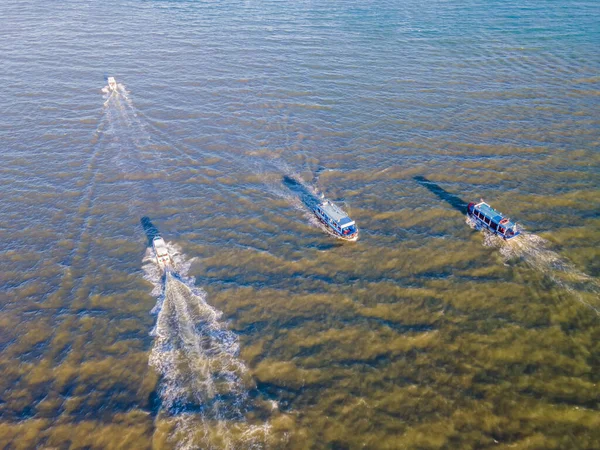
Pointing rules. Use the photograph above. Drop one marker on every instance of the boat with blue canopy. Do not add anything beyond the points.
(492, 220)
(336, 220)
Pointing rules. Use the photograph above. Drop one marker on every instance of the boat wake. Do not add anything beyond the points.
(534, 251)
(153, 273)
(489, 239)
(115, 94)
(130, 148)
(124, 117)
(204, 388)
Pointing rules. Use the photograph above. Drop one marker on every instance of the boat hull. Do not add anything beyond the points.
(163, 258)
(484, 225)
(350, 238)
(112, 84)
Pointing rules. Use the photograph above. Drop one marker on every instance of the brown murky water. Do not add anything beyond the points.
(423, 334)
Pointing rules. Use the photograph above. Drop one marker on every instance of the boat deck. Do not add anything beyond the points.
(336, 214)
(491, 213)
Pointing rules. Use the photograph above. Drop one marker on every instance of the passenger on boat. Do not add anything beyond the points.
(349, 230)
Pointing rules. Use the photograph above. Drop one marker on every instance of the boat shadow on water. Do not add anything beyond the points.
(309, 198)
(453, 200)
(150, 229)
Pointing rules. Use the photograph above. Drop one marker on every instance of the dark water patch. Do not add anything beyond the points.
(283, 395)
(309, 198)
(150, 229)
(35, 352)
(61, 354)
(255, 327)
(453, 200)
(404, 328)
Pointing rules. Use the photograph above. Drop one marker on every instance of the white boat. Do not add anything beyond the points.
(162, 254)
(336, 220)
(112, 84)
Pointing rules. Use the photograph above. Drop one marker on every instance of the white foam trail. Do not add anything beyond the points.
(153, 273)
(204, 386)
(534, 251)
(131, 149)
(144, 123)
(489, 239)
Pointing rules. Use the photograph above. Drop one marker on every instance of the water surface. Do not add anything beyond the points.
(423, 334)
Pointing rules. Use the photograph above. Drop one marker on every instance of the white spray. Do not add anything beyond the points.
(204, 386)
(535, 252)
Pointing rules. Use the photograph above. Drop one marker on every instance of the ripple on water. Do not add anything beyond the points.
(417, 336)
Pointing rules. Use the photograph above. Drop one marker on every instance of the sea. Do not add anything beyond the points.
(228, 119)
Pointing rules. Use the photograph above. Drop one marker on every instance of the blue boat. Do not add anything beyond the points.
(336, 220)
(492, 220)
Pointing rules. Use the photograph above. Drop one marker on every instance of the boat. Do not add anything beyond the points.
(336, 220)
(112, 84)
(162, 254)
(492, 220)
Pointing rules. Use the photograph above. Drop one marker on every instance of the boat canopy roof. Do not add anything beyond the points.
(159, 246)
(336, 214)
(346, 222)
(493, 215)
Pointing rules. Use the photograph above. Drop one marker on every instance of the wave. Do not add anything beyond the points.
(205, 387)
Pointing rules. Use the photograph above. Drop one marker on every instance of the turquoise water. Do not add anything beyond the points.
(425, 333)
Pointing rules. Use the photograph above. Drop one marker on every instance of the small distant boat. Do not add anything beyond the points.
(336, 220)
(493, 220)
(112, 84)
(162, 254)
